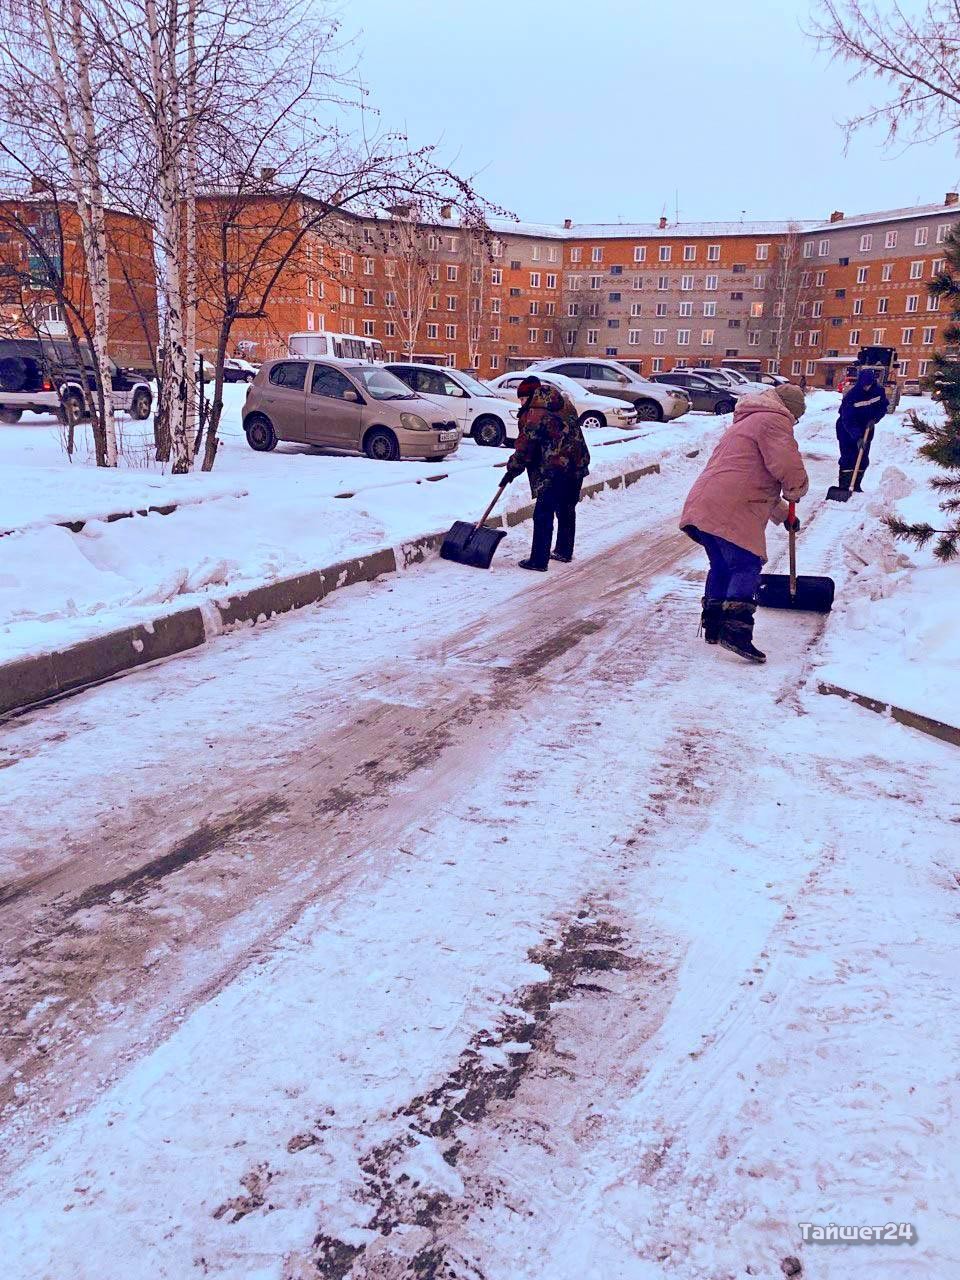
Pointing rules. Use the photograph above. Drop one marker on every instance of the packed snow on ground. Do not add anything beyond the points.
(897, 634)
(424, 1073)
(255, 518)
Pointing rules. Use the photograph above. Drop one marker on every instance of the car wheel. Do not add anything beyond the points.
(592, 420)
(381, 445)
(723, 406)
(73, 408)
(260, 433)
(13, 373)
(140, 405)
(10, 416)
(489, 431)
(648, 411)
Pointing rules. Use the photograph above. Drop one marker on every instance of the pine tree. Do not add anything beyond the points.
(942, 439)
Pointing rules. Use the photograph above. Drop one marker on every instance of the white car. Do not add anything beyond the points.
(595, 411)
(733, 379)
(236, 369)
(610, 378)
(490, 417)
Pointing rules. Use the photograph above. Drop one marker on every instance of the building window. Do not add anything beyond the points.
(534, 279)
(686, 309)
(811, 368)
(907, 336)
(574, 283)
(533, 335)
(890, 240)
(663, 283)
(613, 324)
(534, 308)
(494, 306)
(633, 337)
(592, 336)
(813, 338)
(451, 331)
(904, 368)
(368, 297)
(916, 270)
(661, 309)
(553, 254)
(433, 331)
(933, 303)
(879, 335)
(763, 252)
(713, 253)
(883, 306)
(886, 273)
(665, 251)
(943, 230)
(535, 255)
(866, 243)
(686, 283)
(816, 309)
(659, 336)
(576, 255)
(452, 272)
(596, 254)
(451, 302)
(496, 248)
(759, 280)
(756, 310)
(709, 308)
(796, 367)
(798, 337)
(573, 309)
(548, 336)
(636, 308)
(922, 368)
(689, 253)
(922, 236)
(858, 306)
(733, 324)
(596, 282)
(753, 339)
(551, 281)
(707, 337)
(710, 283)
(496, 275)
(656, 364)
(773, 365)
(936, 266)
(808, 248)
(823, 248)
(369, 328)
(639, 253)
(854, 337)
(862, 275)
(309, 319)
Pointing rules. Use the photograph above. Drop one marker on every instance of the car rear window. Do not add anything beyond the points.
(292, 374)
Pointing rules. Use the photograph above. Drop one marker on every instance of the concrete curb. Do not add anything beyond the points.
(912, 719)
(29, 682)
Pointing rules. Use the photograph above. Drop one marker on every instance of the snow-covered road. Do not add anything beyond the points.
(535, 940)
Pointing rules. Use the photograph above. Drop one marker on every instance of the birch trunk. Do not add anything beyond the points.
(190, 228)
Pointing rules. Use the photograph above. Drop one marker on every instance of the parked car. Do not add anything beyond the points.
(911, 387)
(731, 378)
(595, 411)
(237, 370)
(339, 404)
(42, 375)
(705, 394)
(653, 403)
(479, 411)
(773, 379)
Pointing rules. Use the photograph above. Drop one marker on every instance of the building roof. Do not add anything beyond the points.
(889, 215)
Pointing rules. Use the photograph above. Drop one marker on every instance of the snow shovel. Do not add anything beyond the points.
(787, 591)
(472, 544)
(836, 492)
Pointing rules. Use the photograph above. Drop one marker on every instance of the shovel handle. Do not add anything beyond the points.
(792, 535)
(496, 498)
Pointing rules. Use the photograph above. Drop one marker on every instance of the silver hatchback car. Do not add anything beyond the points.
(360, 408)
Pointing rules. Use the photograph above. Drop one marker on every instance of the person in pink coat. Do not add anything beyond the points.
(751, 475)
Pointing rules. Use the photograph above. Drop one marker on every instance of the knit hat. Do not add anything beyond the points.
(792, 398)
(528, 386)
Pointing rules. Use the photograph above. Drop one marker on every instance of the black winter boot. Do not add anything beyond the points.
(844, 479)
(736, 630)
(711, 616)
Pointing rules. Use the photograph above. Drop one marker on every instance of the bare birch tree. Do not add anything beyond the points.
(412, 261)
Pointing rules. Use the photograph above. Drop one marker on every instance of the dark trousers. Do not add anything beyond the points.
(556, 500)
(849, 450)
(734, 572)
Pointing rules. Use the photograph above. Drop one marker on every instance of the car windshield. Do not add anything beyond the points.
(735, 374)
(473, 384)
(382, 384)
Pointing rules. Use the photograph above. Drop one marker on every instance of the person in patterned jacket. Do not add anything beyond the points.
(552, 451)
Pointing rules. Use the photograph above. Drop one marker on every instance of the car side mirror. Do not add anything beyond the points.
(351, 396)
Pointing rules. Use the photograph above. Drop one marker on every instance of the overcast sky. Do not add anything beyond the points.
(610, 110)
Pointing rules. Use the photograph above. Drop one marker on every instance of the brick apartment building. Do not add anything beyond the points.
(789, 295)
(39, 235)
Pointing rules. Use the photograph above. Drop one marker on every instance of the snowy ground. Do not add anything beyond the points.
(254, 519)
(476, 927)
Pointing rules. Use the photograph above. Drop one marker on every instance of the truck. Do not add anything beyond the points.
(885, 363)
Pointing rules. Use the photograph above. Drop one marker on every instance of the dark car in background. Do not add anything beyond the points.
(706, 395)
(43, 375)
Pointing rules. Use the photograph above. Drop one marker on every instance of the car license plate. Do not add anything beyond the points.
(448, 435)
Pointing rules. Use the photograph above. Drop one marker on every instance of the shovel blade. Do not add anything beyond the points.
(837, 494)
(813, 595)
(467, 544)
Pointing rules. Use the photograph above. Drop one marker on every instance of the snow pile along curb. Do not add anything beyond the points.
(39, 678)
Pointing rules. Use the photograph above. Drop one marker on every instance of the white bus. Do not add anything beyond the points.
(346, 346)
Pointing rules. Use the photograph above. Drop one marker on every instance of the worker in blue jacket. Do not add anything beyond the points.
(860, 410)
